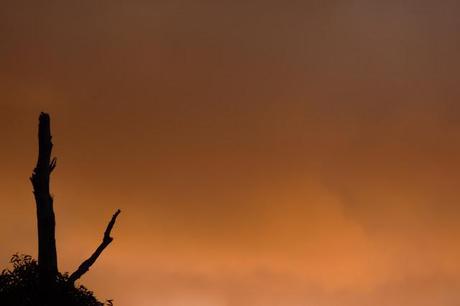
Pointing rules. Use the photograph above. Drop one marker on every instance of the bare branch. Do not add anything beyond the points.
(84, 267)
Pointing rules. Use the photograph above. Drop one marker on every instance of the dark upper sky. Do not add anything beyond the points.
(264, 153)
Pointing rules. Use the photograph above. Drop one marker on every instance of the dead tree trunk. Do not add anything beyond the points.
(47, 257)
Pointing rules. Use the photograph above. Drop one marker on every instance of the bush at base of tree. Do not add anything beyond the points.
(19, 286)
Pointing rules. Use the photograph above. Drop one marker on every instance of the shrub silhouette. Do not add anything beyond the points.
(20, 286)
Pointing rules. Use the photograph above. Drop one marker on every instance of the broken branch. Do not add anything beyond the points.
(84, 267)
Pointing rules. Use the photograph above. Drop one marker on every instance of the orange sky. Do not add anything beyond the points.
(264, 153)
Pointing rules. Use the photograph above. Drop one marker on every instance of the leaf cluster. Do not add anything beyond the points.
(19, 286)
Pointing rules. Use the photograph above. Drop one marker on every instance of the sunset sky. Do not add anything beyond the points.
(263, 153)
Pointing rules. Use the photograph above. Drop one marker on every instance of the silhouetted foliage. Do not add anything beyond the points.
(20, 286)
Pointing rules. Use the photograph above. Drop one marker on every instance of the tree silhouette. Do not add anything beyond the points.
(40, 283)
(47, 257)
(20, 287)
